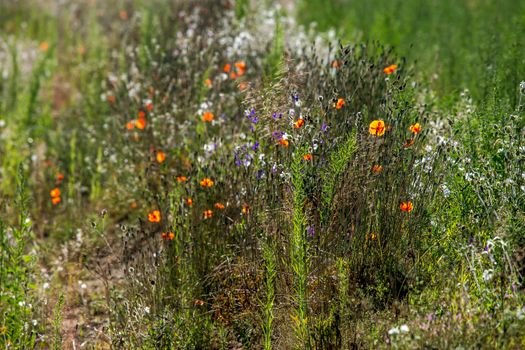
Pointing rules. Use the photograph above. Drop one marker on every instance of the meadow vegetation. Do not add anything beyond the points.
(227, 175)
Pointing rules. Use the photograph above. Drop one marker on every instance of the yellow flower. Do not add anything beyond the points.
(415, 128)
(377, 128)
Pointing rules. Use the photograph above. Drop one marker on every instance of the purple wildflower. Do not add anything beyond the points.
(277, 134)
(310, 230)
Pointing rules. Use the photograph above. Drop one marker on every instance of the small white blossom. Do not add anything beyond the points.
(488, 274)
(393, 331)
(446, 191)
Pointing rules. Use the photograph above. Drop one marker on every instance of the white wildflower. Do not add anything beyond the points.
(393, 331)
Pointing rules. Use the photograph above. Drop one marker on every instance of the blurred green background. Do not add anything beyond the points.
(458, 44)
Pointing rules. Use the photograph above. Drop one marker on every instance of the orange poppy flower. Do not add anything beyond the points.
(227, 68)
(207, 82)
(243, 86)
(161, 156)
(123, 14)
(167, 236)
(340, 103)
(133, 205)
(377, 128)
(409, 142)
(181, 179)
(206, 182)
(298, 123)
(241, 67)
(406, 206)
(336, 64)
(130, 125)
(308, 156)
(208, 214)
(141, 114)
(55, 200)
(233, 75)
(207, 117)
(189, 202)
(245, 208)
(219, 205)
(284, 142)
(415, 128)
(55, 192)
(390, 69)
(60, 177)
(111, 99)
(149, 107)
(140, 123)
(154, 216)
(377, 169)
(44, 46)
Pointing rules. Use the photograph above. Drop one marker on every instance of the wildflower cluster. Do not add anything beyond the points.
(241, 180)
